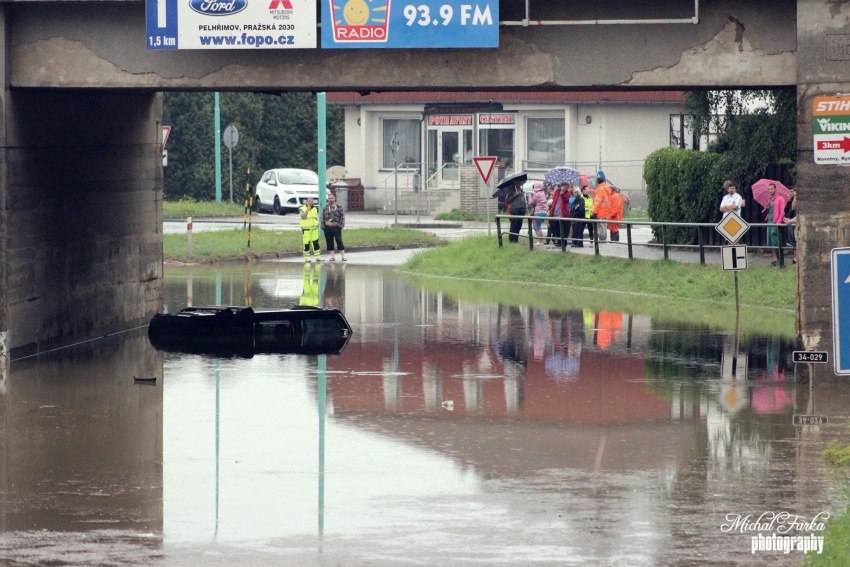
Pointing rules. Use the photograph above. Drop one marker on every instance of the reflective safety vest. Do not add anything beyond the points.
(588, 206)
(312, 220)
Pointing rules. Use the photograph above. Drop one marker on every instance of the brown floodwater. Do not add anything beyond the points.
(449, 430)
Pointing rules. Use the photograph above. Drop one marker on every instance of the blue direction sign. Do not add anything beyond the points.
(841, 309)
(161, 24)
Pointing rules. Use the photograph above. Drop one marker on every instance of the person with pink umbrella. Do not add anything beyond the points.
(774, 213)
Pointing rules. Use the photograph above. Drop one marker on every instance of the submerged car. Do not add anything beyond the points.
(245, 331)
(284, 190)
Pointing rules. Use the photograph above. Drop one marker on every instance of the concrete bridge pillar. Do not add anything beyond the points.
(823, 202)
(80, 215)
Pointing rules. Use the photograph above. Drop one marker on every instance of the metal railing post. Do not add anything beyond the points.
(499, 229)
(531, 234)
(664, 241)
(629, 240)
(595, 236)
(701, 247)
(781, 244)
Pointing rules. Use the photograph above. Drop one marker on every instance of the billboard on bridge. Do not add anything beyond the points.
(346, 24)
(231, 24)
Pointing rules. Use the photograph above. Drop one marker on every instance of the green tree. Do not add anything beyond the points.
(756, 129)
(274, 131)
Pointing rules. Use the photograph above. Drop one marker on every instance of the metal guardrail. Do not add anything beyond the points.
(630, 244)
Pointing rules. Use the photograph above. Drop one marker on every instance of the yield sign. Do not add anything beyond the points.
(166, 130)
(485, 167)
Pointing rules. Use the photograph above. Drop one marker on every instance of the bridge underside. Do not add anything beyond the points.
(81, 178)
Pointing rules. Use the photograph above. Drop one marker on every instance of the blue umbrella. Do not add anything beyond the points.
(562, 174)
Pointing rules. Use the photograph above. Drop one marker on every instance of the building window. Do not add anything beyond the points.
(682, 133)
(406, 132)
(498, 142)
(546, 142)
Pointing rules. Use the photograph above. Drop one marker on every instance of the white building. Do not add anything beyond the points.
(437, 133)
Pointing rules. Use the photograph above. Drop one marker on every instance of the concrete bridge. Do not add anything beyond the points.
(80, 169)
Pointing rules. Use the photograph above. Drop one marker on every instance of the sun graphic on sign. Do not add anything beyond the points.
(357, 12)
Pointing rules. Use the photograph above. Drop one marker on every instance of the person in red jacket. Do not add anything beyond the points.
(560, 209)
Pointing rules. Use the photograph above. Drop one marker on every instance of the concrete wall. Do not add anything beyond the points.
(823, 202)
(83, 203)
(102, 44)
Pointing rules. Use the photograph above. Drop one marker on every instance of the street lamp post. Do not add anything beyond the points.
(394, 148)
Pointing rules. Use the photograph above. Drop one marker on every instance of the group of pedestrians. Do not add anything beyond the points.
(778, 212)
(333, 221)
(568, 208)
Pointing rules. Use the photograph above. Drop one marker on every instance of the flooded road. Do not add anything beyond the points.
(449, 430)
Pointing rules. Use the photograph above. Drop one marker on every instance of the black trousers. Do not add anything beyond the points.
(516, 227)
(578, 230)
(333, 234)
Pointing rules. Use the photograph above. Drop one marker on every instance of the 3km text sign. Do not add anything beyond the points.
(831, 128)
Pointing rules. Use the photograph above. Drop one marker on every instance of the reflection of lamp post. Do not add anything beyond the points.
(394, 148)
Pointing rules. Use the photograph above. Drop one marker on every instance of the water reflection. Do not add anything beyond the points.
(448, 430)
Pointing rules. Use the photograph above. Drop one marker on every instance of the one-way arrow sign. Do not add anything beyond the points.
(841, 309)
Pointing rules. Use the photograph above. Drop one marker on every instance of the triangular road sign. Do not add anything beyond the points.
(166, 130)
(485, 167)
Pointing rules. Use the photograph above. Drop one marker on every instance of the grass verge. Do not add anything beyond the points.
(480, 258)
(222, 245)
(192, 208)
(836, 542)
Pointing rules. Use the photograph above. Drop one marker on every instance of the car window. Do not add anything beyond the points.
(269, 178)
(298, 177)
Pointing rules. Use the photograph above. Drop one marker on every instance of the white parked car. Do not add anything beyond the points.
(284, 190)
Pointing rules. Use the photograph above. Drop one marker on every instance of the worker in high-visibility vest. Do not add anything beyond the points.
(310, 230)
(310, 295)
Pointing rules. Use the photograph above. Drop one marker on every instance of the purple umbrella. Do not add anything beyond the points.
(562, 174)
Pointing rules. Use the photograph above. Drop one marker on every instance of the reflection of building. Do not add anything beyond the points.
(439, 131)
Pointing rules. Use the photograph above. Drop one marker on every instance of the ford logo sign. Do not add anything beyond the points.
(218, 7)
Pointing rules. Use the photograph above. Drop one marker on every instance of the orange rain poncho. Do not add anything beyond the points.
(616, 211)
(602, 199)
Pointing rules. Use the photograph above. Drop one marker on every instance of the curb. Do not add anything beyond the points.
(250, 258)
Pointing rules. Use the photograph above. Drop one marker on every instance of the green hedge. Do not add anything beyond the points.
(683, 186)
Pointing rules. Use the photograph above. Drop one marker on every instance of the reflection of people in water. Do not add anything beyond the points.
(334, 296)
(310, 295)
(539, 332)
(513, 345)
(608, 327)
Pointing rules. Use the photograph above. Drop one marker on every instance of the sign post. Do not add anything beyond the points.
(166, 130)
(734, 258)
(841, 309)
(231, 138)
(484, 165)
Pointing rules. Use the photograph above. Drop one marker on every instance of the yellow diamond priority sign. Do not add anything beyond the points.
(732, 227)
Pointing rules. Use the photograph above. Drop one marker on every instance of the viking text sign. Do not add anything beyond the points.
(372, 24)
(831, 129)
